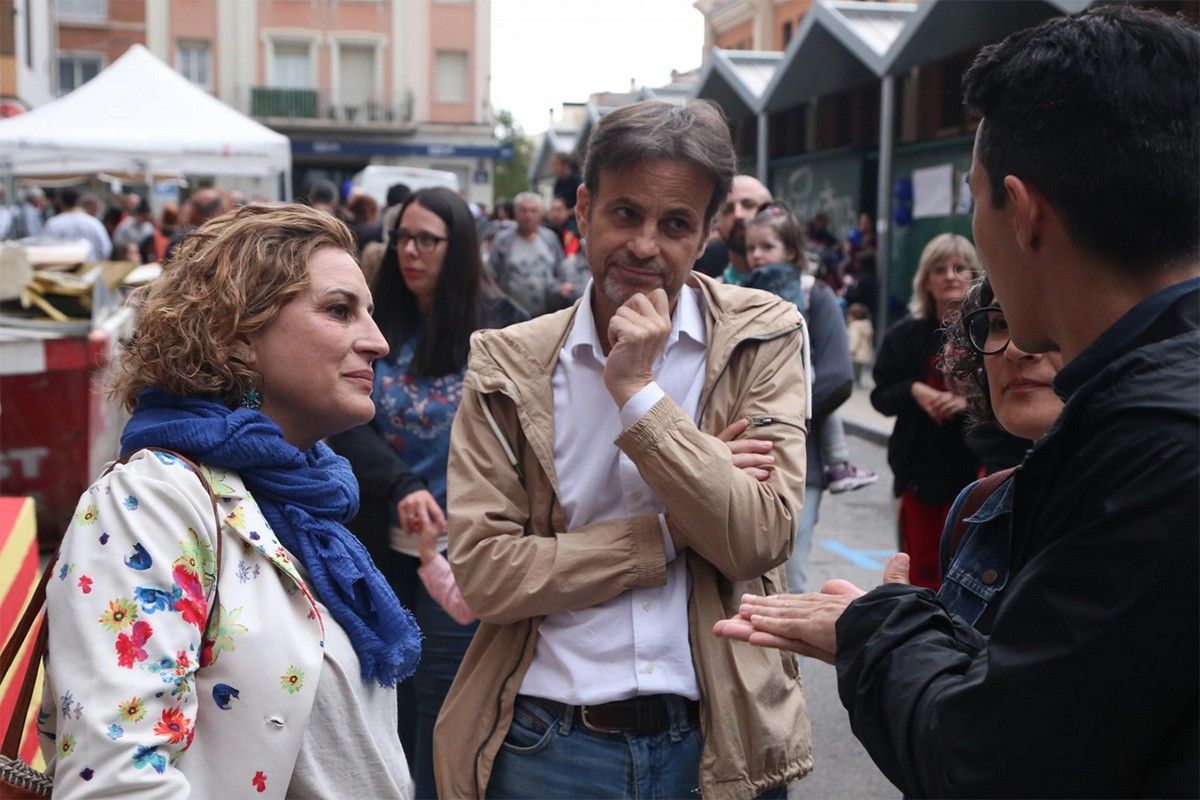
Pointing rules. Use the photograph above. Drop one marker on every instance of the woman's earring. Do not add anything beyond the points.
(252, 399)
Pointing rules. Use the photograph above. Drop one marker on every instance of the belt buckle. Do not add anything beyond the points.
(591, 726)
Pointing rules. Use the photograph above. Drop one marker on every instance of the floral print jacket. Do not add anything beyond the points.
(138, 702)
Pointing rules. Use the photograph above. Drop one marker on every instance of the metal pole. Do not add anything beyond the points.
(285, 185)
(883, 200)
(762, 148)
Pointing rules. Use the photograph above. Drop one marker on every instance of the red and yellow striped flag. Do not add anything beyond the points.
(18, 576)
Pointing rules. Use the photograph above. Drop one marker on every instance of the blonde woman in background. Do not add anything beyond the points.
(926, 451)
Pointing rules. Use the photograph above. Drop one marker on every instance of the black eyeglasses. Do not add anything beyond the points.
(987, 330)
(425, 241)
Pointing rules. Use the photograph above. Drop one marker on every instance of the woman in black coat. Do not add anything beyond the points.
(926, 452)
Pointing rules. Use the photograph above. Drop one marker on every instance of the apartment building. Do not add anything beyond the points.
(27, 55)
(350, 82)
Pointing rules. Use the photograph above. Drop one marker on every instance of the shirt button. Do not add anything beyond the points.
(636, 494)
(646, 606)
(989, 576)
(649, 669)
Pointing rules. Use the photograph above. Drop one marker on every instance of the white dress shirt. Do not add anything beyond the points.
(637, 642)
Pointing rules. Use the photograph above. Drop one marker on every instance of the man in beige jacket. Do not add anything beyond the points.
(600, 526)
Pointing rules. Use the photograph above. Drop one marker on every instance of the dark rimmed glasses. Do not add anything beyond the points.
(426, 242)
(987, 330)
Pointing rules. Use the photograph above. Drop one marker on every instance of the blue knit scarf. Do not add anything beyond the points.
(305, 497)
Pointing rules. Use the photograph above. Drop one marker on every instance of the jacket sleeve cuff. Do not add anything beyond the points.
(640, 404)
(650, 540)
(650, 428)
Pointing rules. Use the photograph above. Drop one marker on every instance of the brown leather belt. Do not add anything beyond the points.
(645, 715)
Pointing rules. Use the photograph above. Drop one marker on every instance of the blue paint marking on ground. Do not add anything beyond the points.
(867, 559)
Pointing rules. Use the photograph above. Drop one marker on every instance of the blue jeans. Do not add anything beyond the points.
(797, 564)
(444, 642)
(546, 755)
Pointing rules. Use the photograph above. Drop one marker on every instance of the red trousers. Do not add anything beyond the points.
(921, 527)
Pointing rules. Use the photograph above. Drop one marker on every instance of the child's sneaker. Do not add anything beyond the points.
(846, 477)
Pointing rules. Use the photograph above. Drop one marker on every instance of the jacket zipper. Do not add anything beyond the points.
(758, 422)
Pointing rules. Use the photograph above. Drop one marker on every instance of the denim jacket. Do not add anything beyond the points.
(974, 577)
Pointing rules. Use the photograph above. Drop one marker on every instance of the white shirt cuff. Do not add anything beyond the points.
(668, 545)
(636, 407)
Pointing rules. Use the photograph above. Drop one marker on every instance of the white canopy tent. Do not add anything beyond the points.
(141, 117)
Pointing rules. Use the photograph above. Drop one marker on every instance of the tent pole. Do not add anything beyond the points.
(763, 156)
(883, 201)
(285, 185)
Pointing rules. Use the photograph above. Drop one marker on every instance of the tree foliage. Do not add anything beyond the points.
(512, 177)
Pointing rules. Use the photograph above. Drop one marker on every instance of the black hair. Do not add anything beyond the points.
(322, 191)
(444, 340)
(68, 198)
(397, 193)
(1099, 112)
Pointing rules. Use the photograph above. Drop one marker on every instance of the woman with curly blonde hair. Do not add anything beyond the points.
(216, 631)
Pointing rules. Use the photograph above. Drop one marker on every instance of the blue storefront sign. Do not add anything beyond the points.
(334, 147)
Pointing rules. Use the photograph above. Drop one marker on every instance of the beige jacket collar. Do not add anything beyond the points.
(519, 362)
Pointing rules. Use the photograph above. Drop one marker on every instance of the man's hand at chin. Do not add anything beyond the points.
(637, 334)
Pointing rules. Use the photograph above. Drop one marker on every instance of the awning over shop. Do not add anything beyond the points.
(555, 140)
(143, 117)
(736, 79)
(940, 28)
(676, 93)
(838, 45)
(590, 120)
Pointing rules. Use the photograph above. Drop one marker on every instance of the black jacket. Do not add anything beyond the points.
(933, 460)
(383, 478)
(1087, 686)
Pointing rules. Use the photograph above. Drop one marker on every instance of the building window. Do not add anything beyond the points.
(451, 80)
(76, 69)
(357, 75)
(291, 65)
(787, 33)
(82, 10)
(194, 60)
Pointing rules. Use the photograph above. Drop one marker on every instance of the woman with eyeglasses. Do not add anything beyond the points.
(928, 456)
(1002, 384)
(431, 294)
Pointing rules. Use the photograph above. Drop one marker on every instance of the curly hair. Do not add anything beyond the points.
(229, 278)
(962, 364)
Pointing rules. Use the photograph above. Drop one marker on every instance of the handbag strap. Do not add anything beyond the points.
(8, 656)
(979, 494)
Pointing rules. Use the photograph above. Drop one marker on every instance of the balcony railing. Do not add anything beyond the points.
(312, 104)
(266, 102)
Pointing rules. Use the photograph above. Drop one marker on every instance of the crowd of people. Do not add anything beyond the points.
(524, 508)
(122, 228)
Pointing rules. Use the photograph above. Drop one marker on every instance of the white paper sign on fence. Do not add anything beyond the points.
(933, 191)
